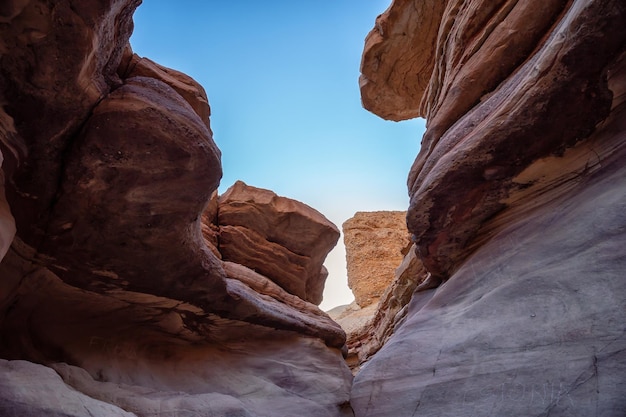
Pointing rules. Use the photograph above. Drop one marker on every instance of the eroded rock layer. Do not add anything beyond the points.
(510, 83)
(517, 204)
(112, 285)
(532, 324)
(281, 238)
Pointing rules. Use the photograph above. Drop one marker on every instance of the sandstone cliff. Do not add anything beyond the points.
(124, 289)
(517, 205)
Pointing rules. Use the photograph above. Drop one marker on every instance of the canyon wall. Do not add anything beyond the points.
(127, 286)
(383, 273)
(517, 208)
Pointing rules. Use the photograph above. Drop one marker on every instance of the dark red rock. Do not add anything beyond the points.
(58, 61)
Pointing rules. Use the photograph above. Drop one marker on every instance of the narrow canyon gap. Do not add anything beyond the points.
(129, 287)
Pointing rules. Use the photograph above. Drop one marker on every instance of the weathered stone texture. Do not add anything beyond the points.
(283, 239)
(109, 172)
(210, 229)
(393, 82)
(531, 324)
(495, 64)
(384, 272)
(36, 390)
(133, 65)
(375, 245)
(517, 205)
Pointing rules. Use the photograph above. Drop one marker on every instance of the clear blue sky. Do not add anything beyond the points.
(282, 81)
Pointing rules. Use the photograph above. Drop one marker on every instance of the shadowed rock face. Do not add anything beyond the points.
(510, 82)
(517, 203)
(109, 165)
(281, 238)
(7, 222)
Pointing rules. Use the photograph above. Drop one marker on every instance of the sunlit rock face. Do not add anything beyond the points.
(383, 272)
(369, 328)
(375, 242)
(517, 205)
(114, 296)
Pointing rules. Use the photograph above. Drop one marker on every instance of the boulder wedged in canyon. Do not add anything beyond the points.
(383, 272)
(517, 205)
(283, 239)
(109, 171)
(375, 245)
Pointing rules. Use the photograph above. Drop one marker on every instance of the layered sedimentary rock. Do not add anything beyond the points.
(495, 64)
(109, 170)
(517, 205)
(281, 238)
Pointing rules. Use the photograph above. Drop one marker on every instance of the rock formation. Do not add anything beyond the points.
(369, 328)
(280, 238)
(7, 223)
(517, 205)
(129, 287)
(382, 280)
(375, 245)
(111, 279)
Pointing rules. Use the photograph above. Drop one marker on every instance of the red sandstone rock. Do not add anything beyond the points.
(375, 245)
(384, 272)
(399, 58)
(58, 61)
(110, 167)
(144, 170)
(183, 84)
(369, 327)
(138, 351)
(495, 65)
(283, 239)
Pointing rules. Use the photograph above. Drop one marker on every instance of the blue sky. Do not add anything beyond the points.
(282, 81)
